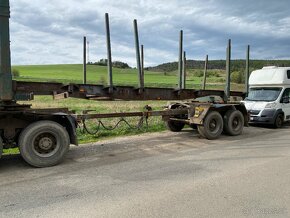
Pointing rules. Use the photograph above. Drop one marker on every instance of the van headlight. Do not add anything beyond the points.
(270, 105)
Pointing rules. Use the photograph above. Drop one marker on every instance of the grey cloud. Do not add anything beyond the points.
(51, 32)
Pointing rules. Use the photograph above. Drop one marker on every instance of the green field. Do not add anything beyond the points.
(72, 73)
(98, 75)
(95, 75)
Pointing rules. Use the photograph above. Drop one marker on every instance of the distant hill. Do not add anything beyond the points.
(236, 65)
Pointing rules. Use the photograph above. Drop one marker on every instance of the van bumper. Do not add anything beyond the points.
(267, 116)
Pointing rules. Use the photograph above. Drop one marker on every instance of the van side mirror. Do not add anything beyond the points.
(285, 100)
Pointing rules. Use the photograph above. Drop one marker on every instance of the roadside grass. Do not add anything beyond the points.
(78, 105)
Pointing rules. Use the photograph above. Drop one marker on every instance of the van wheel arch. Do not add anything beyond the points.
(279, 119)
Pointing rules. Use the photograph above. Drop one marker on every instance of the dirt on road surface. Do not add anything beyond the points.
(157, 175)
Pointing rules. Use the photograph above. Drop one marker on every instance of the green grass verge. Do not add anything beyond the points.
(78, 105)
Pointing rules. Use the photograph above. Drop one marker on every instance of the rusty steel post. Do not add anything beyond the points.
(85, 61)
(88, 51)
(109, 54)
(142, 62)
(141, 82)
(180, 59)
(6, 90)
(247, 70)
(205, 72)
(184, 71)
(228, 73)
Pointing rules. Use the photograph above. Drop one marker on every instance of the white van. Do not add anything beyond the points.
(268, 97)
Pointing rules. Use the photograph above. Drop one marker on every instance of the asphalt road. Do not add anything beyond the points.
(157, 175)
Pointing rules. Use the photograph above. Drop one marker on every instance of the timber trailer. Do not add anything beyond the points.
(43, 136)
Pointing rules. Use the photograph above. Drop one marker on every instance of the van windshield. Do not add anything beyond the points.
(263, 94)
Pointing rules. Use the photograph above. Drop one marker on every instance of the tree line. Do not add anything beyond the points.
(236, 65)
(103, 62)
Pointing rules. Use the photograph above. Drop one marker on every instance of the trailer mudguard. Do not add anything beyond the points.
(70, 123)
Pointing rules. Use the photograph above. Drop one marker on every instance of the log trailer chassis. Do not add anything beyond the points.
(44, 135)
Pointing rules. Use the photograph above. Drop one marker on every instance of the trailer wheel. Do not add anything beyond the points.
(44, 143)
(212, 126)
(279, 121)
(174, 126)
(233, 122)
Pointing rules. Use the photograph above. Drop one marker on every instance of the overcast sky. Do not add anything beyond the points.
(51, 32)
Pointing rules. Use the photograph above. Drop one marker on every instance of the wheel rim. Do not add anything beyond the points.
(45, 145)
(213, 126)
(236, 123)
(279, 121)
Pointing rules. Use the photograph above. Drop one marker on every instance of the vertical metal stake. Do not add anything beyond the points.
(142, 62)
(228, 73)
(88, 51)
(184, 71)
(180, 59)
(247, 70)
(141, 85)
(85, 61)
(6, 87)
(205, 72)
(109, 54)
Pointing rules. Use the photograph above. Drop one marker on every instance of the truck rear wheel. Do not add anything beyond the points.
(233, 122)
(44, 143)
(212, 125)
(174, 126)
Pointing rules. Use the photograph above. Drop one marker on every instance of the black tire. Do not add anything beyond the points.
(233, 122)
(174, 126)
(212, 126)
(44, 143)
(279, 121)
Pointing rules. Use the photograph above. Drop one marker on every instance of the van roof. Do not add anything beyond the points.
(270, 75)
(269, 67)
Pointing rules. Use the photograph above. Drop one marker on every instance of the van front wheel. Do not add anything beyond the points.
(279, 121)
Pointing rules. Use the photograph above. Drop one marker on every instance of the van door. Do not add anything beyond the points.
(285, 103)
